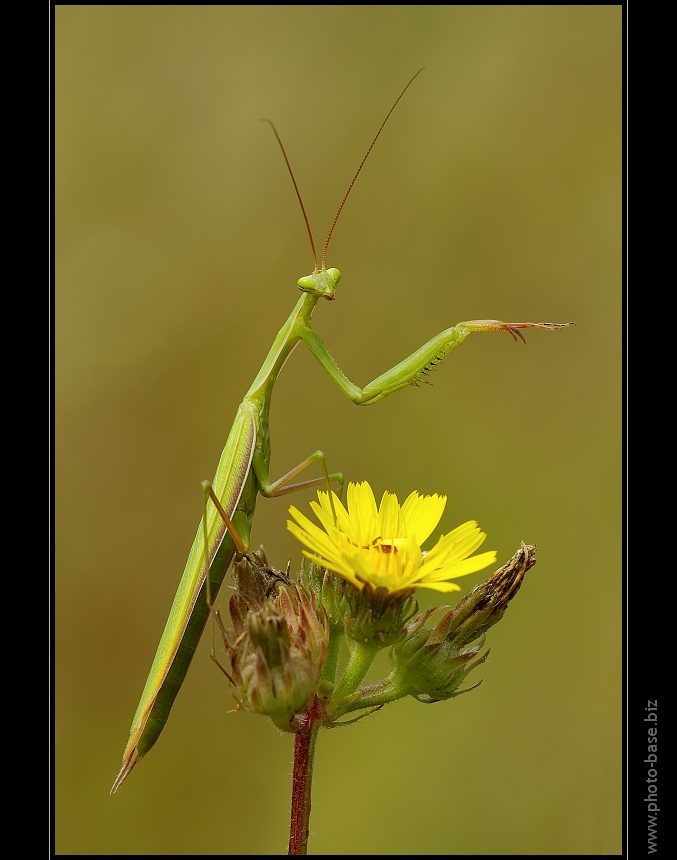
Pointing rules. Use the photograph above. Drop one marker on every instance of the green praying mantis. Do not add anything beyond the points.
(243, 473)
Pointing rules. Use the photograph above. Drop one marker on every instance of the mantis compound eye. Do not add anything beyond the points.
(335, 275)
(306, 284)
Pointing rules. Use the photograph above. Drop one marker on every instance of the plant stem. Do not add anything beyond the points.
(302, 780)
(361, 657)
(333, 650)
(379, 694)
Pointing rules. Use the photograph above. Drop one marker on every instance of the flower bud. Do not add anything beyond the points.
(375, 614)
(278, 644)
(485, 605)
(431, 663)
(326, 590)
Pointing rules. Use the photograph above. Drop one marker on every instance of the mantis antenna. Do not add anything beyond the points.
(350, 187)
(296, 188)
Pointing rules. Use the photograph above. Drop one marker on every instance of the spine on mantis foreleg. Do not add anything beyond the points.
(414, 368)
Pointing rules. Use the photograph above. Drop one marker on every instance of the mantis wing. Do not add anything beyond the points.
(190, 609)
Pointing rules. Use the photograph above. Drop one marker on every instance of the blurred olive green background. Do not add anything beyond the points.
(495, 191)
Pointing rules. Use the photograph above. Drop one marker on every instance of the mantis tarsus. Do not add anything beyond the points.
(242, 474)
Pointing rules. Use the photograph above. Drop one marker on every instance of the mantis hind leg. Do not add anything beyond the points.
(207, 494)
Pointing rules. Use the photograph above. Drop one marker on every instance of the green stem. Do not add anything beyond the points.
(382, 693)
(361, 657)
(302, 779)
(333, 652)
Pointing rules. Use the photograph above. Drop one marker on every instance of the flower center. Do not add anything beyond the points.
(385, 547)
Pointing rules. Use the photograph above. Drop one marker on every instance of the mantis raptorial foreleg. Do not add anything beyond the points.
(413, 368)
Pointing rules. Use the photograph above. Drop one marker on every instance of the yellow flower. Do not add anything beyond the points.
(381, 546)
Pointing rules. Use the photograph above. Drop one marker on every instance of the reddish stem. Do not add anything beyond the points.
(302, 780)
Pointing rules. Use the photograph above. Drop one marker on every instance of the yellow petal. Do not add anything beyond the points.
(308, 533)
(336, 567)
(323, 511)
(439, 586)
(389, 517)
(363, 513)
(422, 514)
(458, 544)
(456, 568)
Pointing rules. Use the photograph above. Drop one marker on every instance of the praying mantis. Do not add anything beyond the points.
(243, 473)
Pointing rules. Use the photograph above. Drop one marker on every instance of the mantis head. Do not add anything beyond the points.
(322, 282)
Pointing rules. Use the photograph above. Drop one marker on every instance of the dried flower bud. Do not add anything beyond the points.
(278, 644)
(431, 663)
